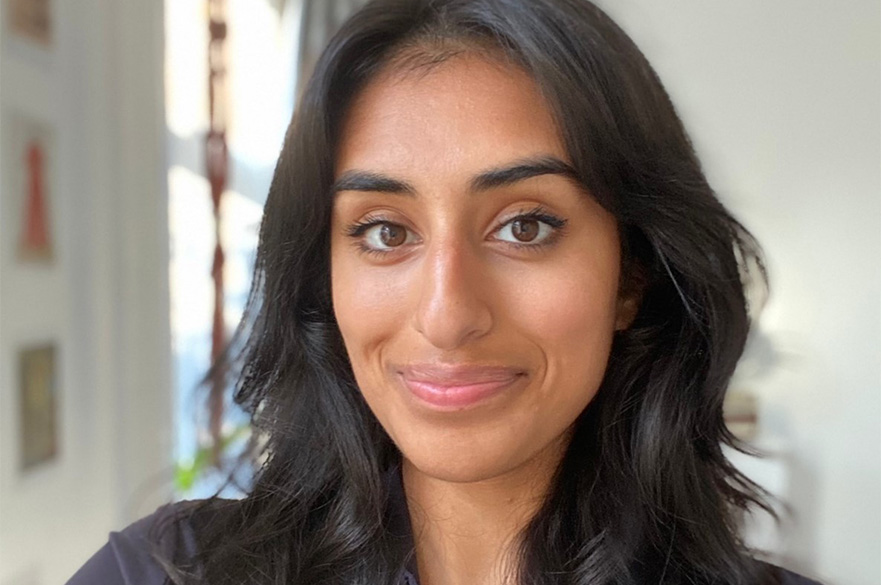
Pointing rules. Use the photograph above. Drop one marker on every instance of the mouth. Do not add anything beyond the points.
(456, 387)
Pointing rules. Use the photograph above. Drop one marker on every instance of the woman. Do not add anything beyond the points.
(496, 308)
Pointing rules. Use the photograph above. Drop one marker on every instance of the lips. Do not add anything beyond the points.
(454, 387)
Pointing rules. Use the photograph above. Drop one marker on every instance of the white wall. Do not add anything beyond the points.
(105, 300)
(783, 100)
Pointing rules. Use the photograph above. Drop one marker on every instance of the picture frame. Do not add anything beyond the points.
(38, 405)
(30, 21)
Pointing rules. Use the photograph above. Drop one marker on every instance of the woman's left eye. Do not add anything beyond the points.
(533, 228)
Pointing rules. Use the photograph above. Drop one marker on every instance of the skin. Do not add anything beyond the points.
(455, 288)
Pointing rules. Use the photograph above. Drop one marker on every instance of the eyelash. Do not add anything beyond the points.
(538, 213)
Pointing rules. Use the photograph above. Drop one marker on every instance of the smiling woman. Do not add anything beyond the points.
(476, 289)
(496, 310)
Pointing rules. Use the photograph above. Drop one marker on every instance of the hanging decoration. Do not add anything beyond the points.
(320, 20)
(217, 163)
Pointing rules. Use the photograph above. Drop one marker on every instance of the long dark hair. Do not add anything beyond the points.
(644, 492)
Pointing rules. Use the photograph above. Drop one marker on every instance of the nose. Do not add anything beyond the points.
(452, 308)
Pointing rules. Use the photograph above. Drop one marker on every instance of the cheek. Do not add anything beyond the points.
(367, 304)
(569, 316)
(568, 302)
(370, 309)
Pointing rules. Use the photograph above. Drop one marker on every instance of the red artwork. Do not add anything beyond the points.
(35, 243)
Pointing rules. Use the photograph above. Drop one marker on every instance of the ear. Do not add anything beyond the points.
(627, 309)
(630, 293)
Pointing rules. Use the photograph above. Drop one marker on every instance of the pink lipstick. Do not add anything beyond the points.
(454, 387)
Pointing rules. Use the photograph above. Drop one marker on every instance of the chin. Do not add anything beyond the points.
(457, 471)
(466, 458)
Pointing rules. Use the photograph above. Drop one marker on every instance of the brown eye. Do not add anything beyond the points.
(382, 236)
(531, 229)
(392, 235)
(525, 230)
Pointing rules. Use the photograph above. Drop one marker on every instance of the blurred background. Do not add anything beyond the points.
(119, 169)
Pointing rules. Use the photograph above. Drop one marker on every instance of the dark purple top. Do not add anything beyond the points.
(128, 557)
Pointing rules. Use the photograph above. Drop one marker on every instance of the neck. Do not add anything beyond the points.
(468, 532)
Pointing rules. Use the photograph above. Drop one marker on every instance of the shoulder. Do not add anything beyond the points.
(786, 577)
(137, 554)
(790, 578)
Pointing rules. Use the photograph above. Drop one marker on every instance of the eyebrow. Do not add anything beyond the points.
(494, 178)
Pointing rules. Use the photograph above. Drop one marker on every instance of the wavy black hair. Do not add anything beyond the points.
(644, 493)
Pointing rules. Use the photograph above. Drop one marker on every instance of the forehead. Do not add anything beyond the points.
(449, 120)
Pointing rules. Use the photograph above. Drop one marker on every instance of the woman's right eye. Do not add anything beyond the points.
(386, 235)
(380, 236)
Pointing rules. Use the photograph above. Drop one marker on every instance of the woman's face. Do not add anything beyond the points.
(474, 281)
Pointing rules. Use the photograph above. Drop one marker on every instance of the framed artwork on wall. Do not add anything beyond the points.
(38, 405)
(30, 20)
(28, 153)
